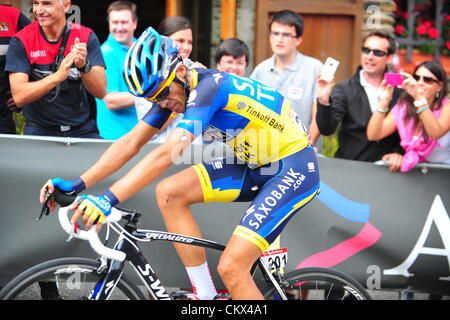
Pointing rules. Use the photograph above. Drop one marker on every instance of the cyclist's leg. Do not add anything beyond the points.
(282, 195)
(175, 194)
(234, 268)
(204, 182)
(193, 185)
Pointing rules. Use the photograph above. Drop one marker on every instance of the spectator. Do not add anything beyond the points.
(351, 102)
(51, 63)
(116, 114)
(178, 29)
(12, 21)
(421, 116)
(290, 72)
(232, 56)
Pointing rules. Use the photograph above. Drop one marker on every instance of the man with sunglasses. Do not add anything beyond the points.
(351, 103)
(273, 164)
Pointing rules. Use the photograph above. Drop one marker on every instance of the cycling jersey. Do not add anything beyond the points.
(252, 119)
(273, 167)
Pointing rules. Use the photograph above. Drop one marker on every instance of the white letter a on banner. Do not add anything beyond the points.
(439, 215)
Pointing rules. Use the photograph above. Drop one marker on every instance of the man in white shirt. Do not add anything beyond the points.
(290, 72)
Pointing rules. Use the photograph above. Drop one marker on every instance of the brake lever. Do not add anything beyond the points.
(45, 208)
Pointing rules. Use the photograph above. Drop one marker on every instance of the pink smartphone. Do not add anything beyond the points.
(394, 79)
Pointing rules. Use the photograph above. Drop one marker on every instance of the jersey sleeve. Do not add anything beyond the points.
(95, 56)
(156, 116)
(204, 101)
(22, 22)
(16, 58)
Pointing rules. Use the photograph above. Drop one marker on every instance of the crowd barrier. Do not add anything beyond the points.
(388, 230)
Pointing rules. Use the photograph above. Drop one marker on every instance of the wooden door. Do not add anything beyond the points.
(332, 29)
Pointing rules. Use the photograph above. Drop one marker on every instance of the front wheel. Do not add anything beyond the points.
(65, 279)
(317, 284)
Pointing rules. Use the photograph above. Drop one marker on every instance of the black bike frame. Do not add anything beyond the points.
(127, 244)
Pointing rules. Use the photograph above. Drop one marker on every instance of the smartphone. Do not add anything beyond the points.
(394, 79)
(329, 69)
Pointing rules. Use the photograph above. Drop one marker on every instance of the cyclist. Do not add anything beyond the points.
(274, 166)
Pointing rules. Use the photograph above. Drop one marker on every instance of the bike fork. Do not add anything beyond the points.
(103, 289)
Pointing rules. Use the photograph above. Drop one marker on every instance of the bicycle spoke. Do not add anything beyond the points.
(329, 291)
(320, 284)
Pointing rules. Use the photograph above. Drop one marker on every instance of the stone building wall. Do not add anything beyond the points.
(245, 27)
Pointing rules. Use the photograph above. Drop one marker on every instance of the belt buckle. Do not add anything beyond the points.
(64, 128)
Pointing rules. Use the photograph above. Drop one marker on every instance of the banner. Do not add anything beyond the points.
(388, 230)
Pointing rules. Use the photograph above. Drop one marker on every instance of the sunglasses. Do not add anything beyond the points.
(164, 92)
(376, 52)
(162, 95)
(427, 80)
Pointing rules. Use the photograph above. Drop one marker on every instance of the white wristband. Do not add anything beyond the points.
(420, 103)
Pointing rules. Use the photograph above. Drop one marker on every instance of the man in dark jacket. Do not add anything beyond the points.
(351, 103)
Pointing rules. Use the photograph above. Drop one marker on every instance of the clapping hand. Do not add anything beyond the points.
(80, 51)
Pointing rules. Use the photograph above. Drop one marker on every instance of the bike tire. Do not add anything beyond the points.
(317, 284)
(70, 279)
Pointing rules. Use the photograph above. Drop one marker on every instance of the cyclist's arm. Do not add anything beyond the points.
(153, 165)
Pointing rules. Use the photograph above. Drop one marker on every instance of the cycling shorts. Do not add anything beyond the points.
(276, 190)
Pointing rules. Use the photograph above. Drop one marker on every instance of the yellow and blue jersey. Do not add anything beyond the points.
(273, 167)
(252, 119)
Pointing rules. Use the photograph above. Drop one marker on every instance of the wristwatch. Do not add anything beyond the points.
(420, 103)
(86, 68)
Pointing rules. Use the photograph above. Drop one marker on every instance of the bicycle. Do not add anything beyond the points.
(104, 278)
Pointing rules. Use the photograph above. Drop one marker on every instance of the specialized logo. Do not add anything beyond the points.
(291, 180)
(109, 286)
(4, 26)
(192, 97)
(169, 237)
(217, 77)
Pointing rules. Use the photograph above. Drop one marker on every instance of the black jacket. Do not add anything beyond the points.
(350, 107)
